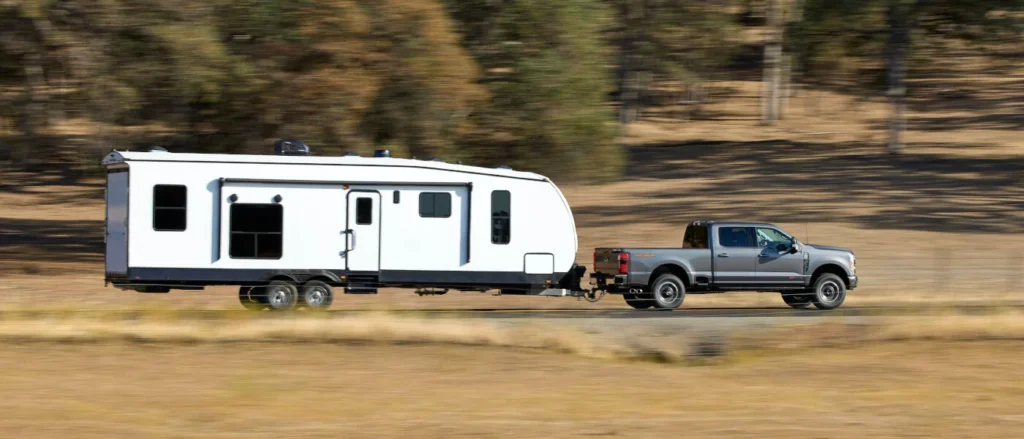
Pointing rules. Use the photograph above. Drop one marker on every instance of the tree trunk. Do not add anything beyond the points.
(630, 78)
(896, 66)
(770, 90)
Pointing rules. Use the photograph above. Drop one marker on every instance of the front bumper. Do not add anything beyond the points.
(852, 282)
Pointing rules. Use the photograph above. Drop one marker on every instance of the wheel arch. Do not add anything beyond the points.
(300, 277)
(833, 268)
(671, 268)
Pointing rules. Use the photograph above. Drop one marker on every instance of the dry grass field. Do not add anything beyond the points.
(942, 223)
(394, 377)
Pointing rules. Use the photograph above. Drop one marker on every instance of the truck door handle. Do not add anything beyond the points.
(723, 255)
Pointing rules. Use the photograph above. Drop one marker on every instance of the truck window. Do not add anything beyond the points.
(736, 236)
(256, 231)
(435, 204)
(170, 208)
(767, 236)
(501, 217)
(696, 237)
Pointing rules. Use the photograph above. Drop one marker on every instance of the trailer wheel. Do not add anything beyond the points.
(797, 301)
(669, 292)
(829, 291)
(281, 295)
(316, 295)
(250, 298)
(636, 302)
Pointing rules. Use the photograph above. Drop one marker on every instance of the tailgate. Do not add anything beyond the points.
(606, 260)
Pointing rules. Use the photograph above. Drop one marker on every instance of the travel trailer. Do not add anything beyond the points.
(288, 228)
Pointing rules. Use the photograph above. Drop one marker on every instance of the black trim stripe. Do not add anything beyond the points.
(404, 278)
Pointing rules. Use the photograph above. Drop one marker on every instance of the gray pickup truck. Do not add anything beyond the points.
(726, 256)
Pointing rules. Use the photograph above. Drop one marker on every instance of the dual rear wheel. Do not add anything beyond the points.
(282, 295)
(667, 292)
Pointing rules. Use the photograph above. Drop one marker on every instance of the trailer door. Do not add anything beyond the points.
(363, 240)
(116, 234)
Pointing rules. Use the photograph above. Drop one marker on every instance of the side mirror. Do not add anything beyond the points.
(795, 248)
(782, 248)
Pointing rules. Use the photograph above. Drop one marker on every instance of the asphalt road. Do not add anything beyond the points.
(686, 313)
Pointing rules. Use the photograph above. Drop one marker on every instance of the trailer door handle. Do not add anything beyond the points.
(723, 255)
(346, 233)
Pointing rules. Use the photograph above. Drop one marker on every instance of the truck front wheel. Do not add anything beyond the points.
(829, 291)
(668, 291)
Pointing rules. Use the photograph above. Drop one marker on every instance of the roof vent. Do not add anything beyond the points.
(351, 154)
(290, 147)
(505, 167)
(155, 148)
(382, 153)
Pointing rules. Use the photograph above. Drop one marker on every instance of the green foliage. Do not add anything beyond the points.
(233, 75)
(840, 40)
(547, 68)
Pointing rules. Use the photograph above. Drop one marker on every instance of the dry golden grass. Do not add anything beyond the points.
(320, 390)
(158, 327)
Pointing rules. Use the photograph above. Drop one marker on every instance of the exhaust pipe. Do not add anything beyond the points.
(635, 291)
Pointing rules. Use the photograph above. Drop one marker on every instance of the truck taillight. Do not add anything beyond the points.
(623, 263)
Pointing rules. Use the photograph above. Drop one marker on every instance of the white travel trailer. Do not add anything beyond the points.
(288, 227)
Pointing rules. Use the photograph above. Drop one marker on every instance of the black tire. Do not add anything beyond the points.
(281, 295)
(829, 291)
(316, 295)
(797, 301)
(636, 302)
(250, 299)
(668, 292)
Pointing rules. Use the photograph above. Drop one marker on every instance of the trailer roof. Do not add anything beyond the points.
(116, 157)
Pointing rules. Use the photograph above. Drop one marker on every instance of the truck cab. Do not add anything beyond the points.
(728, 256)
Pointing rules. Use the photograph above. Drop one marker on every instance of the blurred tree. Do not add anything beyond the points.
(837, 36)
(681, 41)
(230, 75)
(547, 68)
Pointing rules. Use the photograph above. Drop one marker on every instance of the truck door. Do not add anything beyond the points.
(735, 255)
(363, 231)
(775, 264)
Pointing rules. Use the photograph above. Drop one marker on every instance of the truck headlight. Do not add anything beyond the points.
(853, 264)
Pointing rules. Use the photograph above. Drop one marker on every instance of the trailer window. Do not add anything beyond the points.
(736, 237)
(501, 217)
(364, 211)
(169, 208)
(256, 231)
(435, 204)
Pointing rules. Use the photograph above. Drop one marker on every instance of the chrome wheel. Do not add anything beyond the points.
(278, 297)
(829, 291)
(669, 292)
(317, 295)
(281, 295)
